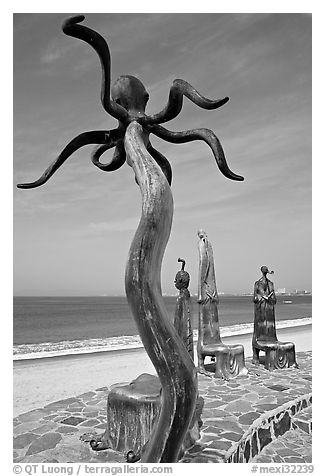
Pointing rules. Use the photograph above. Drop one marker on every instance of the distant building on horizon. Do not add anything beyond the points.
(281, 291)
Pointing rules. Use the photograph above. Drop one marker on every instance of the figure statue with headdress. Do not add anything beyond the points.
(183, 311)
(277, 354)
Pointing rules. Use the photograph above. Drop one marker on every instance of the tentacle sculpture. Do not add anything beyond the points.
(91, 137)
(198, 134)
(174, 106)
(161, 161)
(117, 161)
(126, 101)
(174, 366)
(71, 27)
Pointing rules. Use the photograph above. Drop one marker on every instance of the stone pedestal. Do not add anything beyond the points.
(132, 410)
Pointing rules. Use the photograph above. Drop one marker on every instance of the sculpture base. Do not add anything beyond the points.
(133, 409)
(131, 412)
(230, 360)
(278, 355)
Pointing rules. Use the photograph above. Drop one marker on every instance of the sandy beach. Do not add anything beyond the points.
(41, 381)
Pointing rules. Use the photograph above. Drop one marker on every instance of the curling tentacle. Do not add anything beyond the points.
(207, 136)
(71, 27)
(179, 89)
(117, 161)
(86, 138)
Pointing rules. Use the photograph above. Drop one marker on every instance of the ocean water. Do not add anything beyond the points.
(52, 326)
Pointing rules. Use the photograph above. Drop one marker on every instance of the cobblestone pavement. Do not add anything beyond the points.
(243, 419)
(295, 446)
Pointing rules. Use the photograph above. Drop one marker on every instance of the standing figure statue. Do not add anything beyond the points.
(230, 360)
(126, 101)
(183, 312)
(277, 354)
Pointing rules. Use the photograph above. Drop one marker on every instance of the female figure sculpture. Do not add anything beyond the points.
(264, 300)
(277, 354)
(126, 102)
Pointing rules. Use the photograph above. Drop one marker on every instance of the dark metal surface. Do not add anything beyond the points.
(229, 359)
(126, 101)
(183, 311)
(173, 364)
(277, 354)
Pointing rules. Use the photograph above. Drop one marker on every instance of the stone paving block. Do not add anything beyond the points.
(229, 398)
(252, 397)
(241, 406)
(45, 428)
(35, 458)
(67, 429)
(44, 442)
(73, 420)
(33, 415)
(220, 445)
(25, 427)
(248, 418)
(228, 425)
(268, 399)
(23, 440)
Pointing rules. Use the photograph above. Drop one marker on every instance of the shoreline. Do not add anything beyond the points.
(130, 342)
(38, 382)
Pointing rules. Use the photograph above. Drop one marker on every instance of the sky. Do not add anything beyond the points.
(72, 235)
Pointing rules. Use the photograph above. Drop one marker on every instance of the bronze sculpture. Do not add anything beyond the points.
(277, 354)
(126, 102)
(230, 360)
(183, 311)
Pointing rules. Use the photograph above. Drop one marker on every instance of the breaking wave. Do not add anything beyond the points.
(89, 346)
